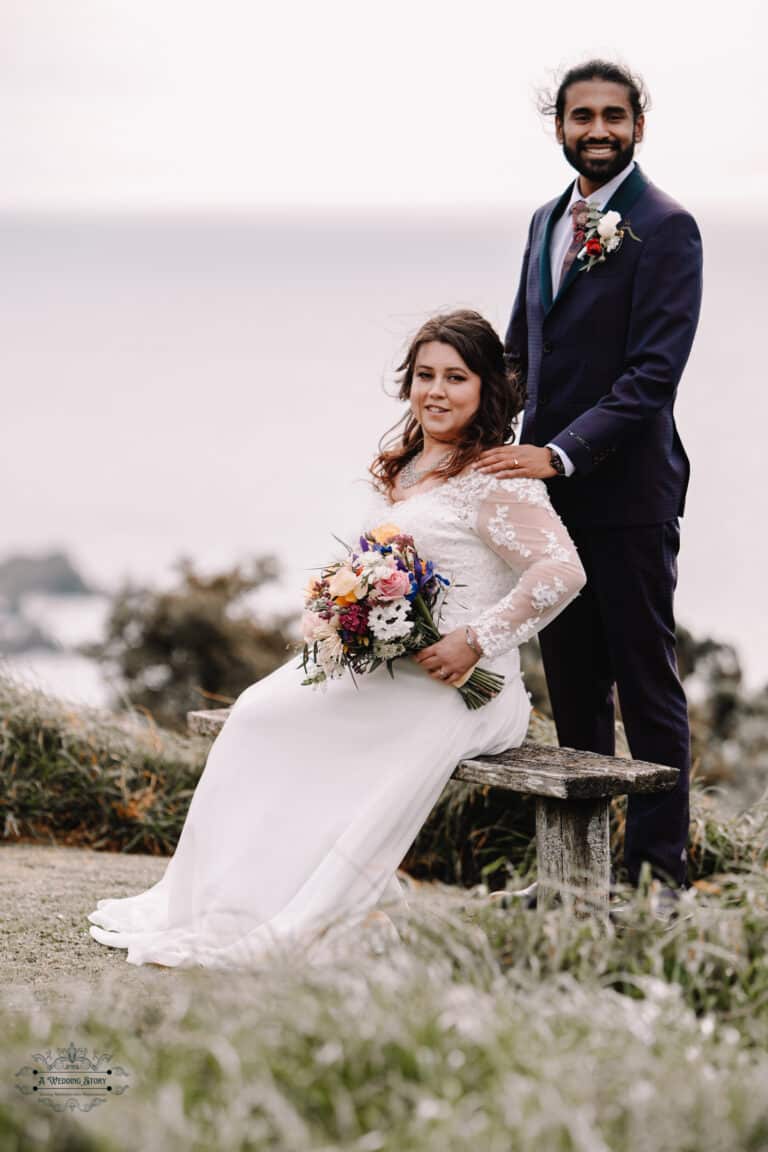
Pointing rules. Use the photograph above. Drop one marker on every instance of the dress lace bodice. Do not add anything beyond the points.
(510, 560)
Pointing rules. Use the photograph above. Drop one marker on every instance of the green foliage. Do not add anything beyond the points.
(474, 833)
(182, 648)
(83, 776)
(713, 954)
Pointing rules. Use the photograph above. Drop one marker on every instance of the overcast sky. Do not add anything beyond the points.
(173, 104)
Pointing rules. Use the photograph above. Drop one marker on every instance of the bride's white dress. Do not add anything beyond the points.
(310, 799)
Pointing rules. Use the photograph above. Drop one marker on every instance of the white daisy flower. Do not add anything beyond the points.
(390, 621)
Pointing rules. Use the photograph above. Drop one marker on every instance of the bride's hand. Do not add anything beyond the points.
(449, 658)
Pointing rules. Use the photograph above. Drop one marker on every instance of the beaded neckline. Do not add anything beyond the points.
(429, 491)
(481, 482)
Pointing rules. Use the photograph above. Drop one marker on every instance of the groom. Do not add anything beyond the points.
(603, 336)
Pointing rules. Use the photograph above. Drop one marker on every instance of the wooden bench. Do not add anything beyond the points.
(573, 793)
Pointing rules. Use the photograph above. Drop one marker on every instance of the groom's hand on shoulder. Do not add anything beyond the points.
(516, 460)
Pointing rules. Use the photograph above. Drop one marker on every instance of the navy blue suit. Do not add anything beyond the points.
(602, 361)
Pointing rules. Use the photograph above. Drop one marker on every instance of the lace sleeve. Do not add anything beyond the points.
(517, 521)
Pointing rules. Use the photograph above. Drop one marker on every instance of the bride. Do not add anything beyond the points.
(310, 799)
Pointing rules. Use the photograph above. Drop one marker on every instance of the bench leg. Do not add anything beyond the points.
(573, 848)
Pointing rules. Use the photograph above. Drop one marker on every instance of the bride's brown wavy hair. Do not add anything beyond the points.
(502, 396)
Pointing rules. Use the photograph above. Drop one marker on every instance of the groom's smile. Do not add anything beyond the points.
(598, 149)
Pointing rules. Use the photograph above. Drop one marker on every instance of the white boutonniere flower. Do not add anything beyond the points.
(602, 235)
(608, 224)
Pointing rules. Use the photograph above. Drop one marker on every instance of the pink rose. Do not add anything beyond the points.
(393, 586)
(314, 627)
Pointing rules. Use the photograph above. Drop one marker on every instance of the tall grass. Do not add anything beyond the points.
(481, 1029)
(77, 775)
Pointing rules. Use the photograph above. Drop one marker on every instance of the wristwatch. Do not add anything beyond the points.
(556, 461)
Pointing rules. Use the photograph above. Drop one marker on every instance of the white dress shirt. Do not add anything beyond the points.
(562, 231)
(560, 241)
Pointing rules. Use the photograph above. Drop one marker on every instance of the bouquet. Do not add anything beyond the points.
(375, 606)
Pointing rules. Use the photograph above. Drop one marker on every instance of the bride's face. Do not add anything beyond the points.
(445, 394)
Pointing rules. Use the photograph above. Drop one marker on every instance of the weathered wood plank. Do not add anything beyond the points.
(573, 848)
(534, 769)
(565, 773)
(207, 723)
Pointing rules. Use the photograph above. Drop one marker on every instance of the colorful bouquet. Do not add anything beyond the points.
(375, 606)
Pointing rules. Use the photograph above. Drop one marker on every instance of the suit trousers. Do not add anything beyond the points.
(620, 632)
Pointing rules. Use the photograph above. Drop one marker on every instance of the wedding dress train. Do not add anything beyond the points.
(310, 799)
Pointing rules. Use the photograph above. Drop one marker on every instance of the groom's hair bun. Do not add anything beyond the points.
(552, 100)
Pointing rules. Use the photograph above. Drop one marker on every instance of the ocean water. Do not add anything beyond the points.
(215, 386)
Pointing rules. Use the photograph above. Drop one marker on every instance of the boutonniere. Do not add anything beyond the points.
(602, 235)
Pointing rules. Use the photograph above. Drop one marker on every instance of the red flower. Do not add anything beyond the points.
(594, 247)
(354, 618)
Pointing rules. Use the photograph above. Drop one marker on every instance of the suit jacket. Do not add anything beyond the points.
(604, 357)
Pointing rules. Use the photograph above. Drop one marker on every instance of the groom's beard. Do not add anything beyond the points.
(599, 169)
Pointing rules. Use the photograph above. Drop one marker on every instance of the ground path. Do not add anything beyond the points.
(46, 894)
(45, 897)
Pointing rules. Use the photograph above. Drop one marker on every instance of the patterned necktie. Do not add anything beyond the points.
(578, 212)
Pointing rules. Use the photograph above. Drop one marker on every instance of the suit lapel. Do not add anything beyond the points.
(625, 196)
(545, 264)
(628, 192)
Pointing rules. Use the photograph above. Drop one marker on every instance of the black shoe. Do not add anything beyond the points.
(668, 904)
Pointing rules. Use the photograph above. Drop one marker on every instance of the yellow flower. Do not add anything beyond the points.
(350, 598)
(343, 585)
(385, 532)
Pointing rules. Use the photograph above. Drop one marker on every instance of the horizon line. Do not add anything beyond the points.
(306, 210)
